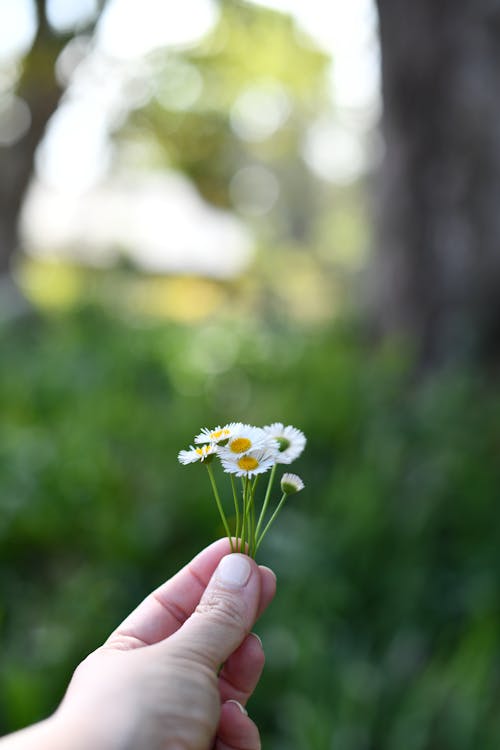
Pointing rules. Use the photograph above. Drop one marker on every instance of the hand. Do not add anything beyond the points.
(156, 683)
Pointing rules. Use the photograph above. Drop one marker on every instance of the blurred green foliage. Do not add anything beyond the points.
(385, 632)
(245, 95)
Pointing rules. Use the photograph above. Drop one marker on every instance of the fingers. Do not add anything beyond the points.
(224, 616)
(241, 672)
(268, 588)
(236, 730)
(167, 608)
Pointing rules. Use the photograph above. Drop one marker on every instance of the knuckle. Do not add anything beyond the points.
(223, 609)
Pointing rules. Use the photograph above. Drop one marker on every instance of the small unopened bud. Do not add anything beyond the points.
(291, 483)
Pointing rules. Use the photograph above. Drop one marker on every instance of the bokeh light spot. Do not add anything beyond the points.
(254, 190)
(260, 111)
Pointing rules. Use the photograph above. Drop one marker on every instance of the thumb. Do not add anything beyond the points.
(224, 616)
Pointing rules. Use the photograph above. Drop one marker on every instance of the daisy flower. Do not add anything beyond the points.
(197, 454)
(218, 434)
(291, 441)
(246, 451)
(291, 483)
(248, 464)
(247, 438)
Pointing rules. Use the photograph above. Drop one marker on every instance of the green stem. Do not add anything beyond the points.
(254, 485)
(252, 516)
(237, 510)
(267, 526)
(219, 504)
(249, 514)
(247, 518)
(251, 526)
(244, 515)
(266, 500)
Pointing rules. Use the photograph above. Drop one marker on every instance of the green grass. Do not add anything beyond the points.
(385, 632)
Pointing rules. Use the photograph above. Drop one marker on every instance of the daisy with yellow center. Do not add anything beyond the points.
(218, 434)
(247, 438)
(246, 452)
(205, 453)
(201, 453)
(248, 464)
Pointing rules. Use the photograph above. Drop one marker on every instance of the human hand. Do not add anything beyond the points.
(155, 683)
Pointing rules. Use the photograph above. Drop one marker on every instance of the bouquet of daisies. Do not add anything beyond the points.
(245, 452)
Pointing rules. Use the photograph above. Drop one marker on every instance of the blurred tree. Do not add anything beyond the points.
(232, 113)
(437, 271)
(244, 97)
(38, 87)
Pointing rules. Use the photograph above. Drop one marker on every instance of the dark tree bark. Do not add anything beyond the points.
(437, 267)
(39, 89)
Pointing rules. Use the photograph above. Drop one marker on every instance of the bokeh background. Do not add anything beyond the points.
(261, 211)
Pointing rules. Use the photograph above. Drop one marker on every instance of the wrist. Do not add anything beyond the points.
(62, 732)
(71, 730)
(45, 735)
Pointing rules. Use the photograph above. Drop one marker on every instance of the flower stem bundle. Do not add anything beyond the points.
(245, 452)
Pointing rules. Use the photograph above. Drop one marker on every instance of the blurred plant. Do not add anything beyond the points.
(385, 630)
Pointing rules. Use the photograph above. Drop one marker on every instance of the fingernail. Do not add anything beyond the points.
(242, 708)
(234, 571)
(257, 638)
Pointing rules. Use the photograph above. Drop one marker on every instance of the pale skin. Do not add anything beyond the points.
(157, 682)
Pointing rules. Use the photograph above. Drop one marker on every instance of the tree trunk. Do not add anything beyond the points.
(437, 266)
(16, 162)
(38, 87)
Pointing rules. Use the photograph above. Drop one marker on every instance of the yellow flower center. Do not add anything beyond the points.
(204, 451)
(218, 434)
(247, 463)
(240, 445)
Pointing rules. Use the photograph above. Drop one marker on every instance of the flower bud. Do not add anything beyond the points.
(291, 483)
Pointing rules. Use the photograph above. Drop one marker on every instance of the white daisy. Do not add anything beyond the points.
(291, 441)
(218, 434)
(248, 464)
(291, 483)
(247, 438)
(197, 454)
